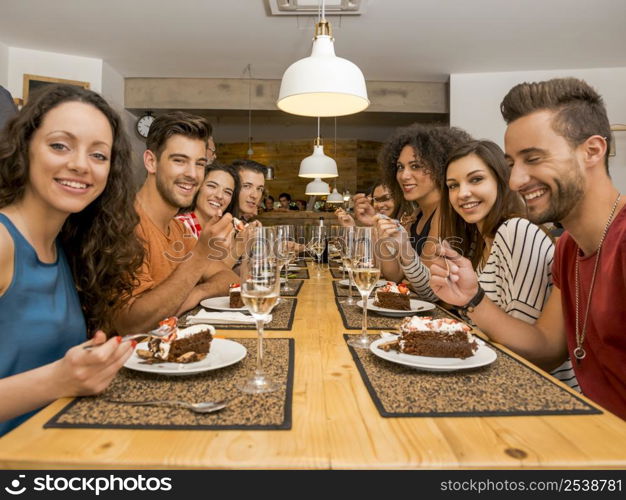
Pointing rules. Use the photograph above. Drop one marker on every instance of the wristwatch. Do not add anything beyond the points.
(474, 301)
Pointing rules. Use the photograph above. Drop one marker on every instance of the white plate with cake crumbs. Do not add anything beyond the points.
(221, 304)
(417, 306)
(222, 353)
(483, 356)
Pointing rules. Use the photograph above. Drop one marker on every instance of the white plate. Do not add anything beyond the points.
(416, 306)
(223, 353)
(346, 283)
(483, 356)
(220, 304)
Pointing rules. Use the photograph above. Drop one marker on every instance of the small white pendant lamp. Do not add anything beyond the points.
(335, 197)
(323, 84)
(317, 187)
(318, 165)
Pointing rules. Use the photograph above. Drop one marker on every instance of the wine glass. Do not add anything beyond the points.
(285, 250)
(316, 244)
(334, 242)
(347, 250)
(260, 289)
(366, 275)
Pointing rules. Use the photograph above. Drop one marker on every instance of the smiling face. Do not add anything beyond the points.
(215, 194)
(545, 169)
(382, 201)
(412, 176)
(252, 186)
(180, 170)
(70, 157)
(472, 188)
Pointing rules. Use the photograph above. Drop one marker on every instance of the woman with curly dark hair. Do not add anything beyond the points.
(68, 250)
(412, 162)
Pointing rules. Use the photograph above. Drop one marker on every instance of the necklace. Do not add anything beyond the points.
(579, 352)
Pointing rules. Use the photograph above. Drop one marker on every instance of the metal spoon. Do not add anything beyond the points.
(203, 407)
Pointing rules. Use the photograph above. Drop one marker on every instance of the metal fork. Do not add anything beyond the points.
(202, 407)
(160, 332)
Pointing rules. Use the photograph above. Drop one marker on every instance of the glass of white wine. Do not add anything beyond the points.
(317, 244)
(285, 250)
(347, 250)
(260, 290)
(365, 275)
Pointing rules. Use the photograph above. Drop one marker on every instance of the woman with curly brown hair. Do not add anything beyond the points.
(412, 162)
(68, 250)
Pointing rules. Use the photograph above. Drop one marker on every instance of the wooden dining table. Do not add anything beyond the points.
(335, 425)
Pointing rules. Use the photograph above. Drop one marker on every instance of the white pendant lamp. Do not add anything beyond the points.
(323, 84)
(335, 197)
(318, 165)
(317, 187)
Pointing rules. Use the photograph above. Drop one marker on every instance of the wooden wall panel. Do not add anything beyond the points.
(356, 163)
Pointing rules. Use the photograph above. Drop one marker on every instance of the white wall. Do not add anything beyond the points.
(51, 64)
(113, 92)
(4, 65)
(475, 104)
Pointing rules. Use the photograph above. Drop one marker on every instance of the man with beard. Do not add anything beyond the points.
(557, 144)
(178, 271)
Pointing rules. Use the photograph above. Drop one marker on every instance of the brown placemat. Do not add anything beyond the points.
(299, 274)
(337, 273)
(282, 317)
(296, 285)
(506, 387)
(352, 316)
(244, 411)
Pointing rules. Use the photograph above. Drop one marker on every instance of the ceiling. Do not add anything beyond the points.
(394, 40)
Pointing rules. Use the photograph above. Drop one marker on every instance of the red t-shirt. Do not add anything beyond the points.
(602, 374)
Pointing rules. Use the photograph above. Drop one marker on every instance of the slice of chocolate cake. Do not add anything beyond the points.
(437, 338)
(181, 349)
(392, 296)
(234, 293)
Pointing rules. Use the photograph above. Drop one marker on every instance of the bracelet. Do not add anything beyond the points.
(474, 301)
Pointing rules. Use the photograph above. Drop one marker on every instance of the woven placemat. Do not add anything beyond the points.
(337, 273)
(352, 316)
(299, 274)
(282, 317)
(507, 387)
(295, 286)
(244, 411)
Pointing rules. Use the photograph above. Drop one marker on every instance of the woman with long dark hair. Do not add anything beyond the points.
(412, 162)
(481, 219)
(68, 251)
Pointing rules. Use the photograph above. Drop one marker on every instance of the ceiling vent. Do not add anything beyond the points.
(312, 7)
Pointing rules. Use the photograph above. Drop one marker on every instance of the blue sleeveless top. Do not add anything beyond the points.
(40, 314)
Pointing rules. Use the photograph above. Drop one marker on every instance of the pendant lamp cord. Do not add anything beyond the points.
(248, 68)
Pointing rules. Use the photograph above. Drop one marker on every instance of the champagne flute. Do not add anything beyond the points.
(285, 250)
(317, 242)
(347, 250)
(260, 289)
(366, 275)
(334, 242)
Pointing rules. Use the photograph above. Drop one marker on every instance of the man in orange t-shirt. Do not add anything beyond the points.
(178, 270)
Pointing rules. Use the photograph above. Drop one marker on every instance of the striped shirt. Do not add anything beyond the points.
(517, 277)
